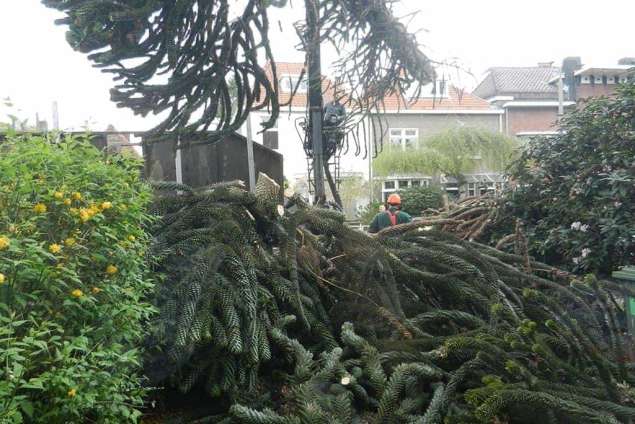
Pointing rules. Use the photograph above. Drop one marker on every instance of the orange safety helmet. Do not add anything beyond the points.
(394, 199)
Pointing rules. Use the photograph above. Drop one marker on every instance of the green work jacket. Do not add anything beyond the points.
(382, 220)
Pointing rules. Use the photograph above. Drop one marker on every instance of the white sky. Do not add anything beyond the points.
(37, 66)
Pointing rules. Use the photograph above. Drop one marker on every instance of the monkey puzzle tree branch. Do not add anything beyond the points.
(200, 65)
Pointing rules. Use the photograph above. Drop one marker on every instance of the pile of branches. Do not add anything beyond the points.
(286, 315)
(468, 218)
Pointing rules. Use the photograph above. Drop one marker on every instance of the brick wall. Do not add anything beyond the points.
(595, 90)
(520, 119)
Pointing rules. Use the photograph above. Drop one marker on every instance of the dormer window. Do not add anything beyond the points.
(289, 82)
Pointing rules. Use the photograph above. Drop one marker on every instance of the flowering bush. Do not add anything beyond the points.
(72, 283)
(576, 191)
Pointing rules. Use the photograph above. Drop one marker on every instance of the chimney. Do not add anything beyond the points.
(545, 64)
(626, 61)
(569, 66)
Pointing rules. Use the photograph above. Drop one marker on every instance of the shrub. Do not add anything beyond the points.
(72, 283)
(575, 191)
(417, 199)
(366, 213)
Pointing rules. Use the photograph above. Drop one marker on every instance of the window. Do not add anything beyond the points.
(403, 138)
(389, 185)
(415, 183)
(403, 184)
(288, 83)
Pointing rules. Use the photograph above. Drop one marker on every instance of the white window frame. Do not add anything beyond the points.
(398, 137)
(288, 82)
(385, 191)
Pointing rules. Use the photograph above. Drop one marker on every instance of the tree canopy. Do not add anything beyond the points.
(180, 58)
(453, 152)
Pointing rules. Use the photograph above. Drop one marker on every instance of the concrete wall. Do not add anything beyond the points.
(430, 124)
(529, 119)
(205, 164)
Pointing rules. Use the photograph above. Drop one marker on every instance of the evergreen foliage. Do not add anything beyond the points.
(575, 191)
(415, 200)
(215, 56)
(296, 318)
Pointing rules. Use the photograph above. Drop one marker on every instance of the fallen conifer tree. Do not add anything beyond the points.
(286, 315)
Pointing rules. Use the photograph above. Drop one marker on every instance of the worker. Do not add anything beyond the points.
(392, 216)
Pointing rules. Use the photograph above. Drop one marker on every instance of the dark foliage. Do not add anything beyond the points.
(575, 191)
(258, 310)
(208, 55)
(415, 200)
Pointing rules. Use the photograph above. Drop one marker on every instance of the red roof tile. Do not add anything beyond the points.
(457, 99)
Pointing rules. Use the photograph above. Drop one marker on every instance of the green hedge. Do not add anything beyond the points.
(72, 283)
(414, 200)
(575, 192)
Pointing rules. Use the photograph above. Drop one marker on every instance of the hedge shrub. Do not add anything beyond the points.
(576, 191)
(414, 200)
(72, 283)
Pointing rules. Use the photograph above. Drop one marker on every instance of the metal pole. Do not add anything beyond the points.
(177, 161)
(315, 97)
(560, 95)
(370, 140)
(250, 157)
(56, 116)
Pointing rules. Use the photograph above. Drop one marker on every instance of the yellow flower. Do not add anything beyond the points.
(72, 393)
(131, 237)
(2, 278)
(84, 215)
(106, 205)
(93, 210)
(111, 270)
(96, 290)
(13, 228)
(77, 293)
(123, 207)
(67, 202)
(39, 208)
(69, 242)
(55, 248)
(73, 211)
(77, 196)
(58, 195)
(4, 242)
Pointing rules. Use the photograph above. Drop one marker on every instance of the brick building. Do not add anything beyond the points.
(581, 82)
(525, 96)
(529, 98)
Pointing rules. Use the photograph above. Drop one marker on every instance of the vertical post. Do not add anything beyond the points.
(315, 97)
(250, 157)
(560, 95)
(56, 116)
(371, 143)
(177, 161)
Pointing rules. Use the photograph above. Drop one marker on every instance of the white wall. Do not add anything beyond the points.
(290, 146)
